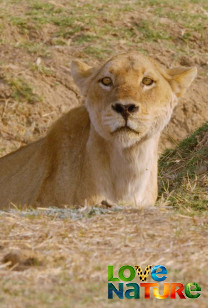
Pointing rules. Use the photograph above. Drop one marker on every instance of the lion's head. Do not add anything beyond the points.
(131, 96)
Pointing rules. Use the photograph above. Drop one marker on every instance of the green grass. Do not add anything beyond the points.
(43, 70)
(90, 22)
(22, 91)
(183, 172)
(2, 150)
(97, 52)
(35, 48)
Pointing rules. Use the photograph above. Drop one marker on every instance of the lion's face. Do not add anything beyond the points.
(129, 98)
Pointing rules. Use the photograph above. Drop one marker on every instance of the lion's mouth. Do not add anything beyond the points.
(125, 128)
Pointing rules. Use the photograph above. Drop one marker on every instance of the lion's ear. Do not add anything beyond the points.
(80, 73)
(180, 78)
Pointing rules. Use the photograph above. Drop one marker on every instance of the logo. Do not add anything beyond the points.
(131, 289)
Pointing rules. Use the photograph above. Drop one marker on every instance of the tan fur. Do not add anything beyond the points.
(86, 156)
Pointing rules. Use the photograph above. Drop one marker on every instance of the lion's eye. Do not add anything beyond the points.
(106, 81)
(147, 81)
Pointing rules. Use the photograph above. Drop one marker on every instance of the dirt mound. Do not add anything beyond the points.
(190, 113)
(39, 40)
(31, 101)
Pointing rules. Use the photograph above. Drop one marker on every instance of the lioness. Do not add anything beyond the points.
(106, 149)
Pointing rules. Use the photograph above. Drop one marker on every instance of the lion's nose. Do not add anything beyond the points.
(125, 110)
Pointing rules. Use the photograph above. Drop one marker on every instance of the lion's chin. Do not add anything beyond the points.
(126, 137)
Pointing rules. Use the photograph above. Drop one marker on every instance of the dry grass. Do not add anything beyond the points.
(63, 262)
